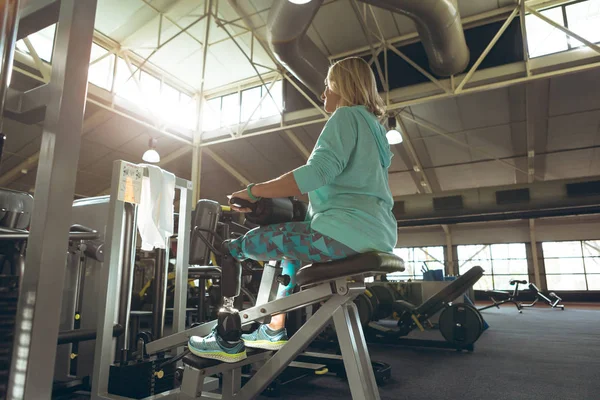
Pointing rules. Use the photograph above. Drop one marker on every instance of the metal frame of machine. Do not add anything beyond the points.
(115, 231)
(38, 309)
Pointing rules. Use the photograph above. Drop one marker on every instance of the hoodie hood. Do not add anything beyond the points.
(379, 134)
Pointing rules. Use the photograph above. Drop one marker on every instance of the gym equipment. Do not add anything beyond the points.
(460, 324)
(511, 297)
(304, 365)
(320, 283)
(325, 283)
(552, 299)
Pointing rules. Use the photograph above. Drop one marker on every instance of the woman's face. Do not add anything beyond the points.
(330, 98)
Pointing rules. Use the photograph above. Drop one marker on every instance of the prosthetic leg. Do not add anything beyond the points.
(229, 324)
(205, 239)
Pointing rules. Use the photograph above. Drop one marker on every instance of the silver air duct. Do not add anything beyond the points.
(286, 28)
(440, 30)
(438, 23)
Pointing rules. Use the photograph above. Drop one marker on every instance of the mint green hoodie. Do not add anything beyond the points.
(346, 178)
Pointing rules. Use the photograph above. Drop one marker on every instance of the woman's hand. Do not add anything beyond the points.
(243, 195)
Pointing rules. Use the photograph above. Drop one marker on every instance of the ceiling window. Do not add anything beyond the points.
(211, 116)
(237, 108)
(251, 104)
(543, 38)
(101, 67)
(42, 42)
(125, 85)
(584, 19)
(268, 107)
(581, 18)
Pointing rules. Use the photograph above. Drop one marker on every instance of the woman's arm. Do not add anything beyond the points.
(284, 186)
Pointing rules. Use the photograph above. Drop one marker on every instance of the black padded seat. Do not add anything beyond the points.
(372, 263)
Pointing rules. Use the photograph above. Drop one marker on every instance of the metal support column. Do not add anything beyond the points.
(8, 36)
(38, 312)
(127, 268)
(534, 254)
(159, 298)
(181, 266)
(197, 156)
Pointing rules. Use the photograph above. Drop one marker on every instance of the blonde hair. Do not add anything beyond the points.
(353, 80)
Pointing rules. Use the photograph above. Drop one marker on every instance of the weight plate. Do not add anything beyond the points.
(460, 324)
(386, 298)
(374, 301)
(365, 308)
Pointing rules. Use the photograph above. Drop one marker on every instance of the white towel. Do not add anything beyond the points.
(155, 212)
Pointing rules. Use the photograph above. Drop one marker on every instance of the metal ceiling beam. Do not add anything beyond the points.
(365, 31)
(227, 167)
(409, 155)
(420, 121)
(297, 143)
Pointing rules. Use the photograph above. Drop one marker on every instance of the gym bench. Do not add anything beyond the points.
(323, 282)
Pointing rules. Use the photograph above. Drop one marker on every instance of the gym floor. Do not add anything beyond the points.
(540, 354)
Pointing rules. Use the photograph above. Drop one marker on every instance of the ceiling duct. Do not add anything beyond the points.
(533, 200)
(438, 24)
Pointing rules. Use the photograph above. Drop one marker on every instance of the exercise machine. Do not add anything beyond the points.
(459, 323)
(320, 283)
(510, 297)
(552, 299)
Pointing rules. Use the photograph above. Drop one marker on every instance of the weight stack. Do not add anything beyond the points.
(9, 296)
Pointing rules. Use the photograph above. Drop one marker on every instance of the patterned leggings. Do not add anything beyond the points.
(293, 242)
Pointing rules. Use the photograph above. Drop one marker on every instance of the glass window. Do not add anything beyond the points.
(43, 42)
(543, 38)
(501, 263)
(416, 258)
(583, 19)
(250, 101)
(211, 114)
(593, 281)
(169, 103)
(230, 108)
(150, 85)
(125, 85)
(566, 282)
(22, 47)
(572, 265)
(268, 107)
(189, 111)
(101, 72)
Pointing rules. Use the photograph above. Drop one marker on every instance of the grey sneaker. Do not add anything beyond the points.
(265, 338)
(213, 347)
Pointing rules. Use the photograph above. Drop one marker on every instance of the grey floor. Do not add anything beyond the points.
(540, 354)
